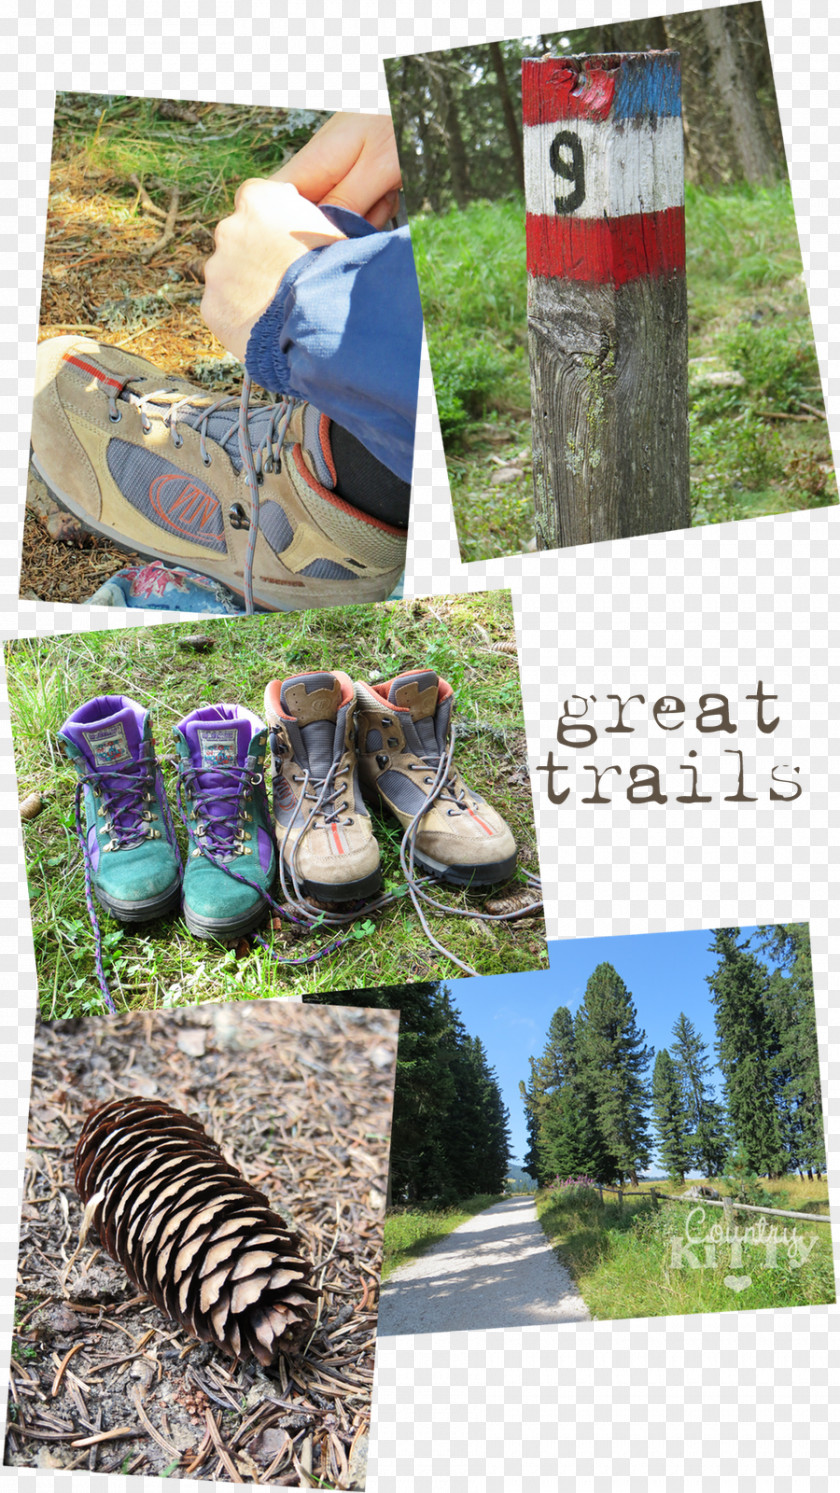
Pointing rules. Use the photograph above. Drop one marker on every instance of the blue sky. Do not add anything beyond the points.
(665, 973)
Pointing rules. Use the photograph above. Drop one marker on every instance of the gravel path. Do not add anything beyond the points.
(496, 1270)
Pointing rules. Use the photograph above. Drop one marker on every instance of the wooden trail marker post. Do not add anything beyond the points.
(607, 315)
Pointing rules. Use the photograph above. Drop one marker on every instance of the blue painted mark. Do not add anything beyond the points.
(648, 87)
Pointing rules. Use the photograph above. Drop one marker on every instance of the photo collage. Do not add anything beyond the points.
(420, 717)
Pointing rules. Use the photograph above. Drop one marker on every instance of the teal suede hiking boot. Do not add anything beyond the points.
(131, 855)
(222, 798)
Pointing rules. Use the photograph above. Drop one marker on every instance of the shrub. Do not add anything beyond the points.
(465, 373)
(575, 1192)
(778, 362)
(731, 458)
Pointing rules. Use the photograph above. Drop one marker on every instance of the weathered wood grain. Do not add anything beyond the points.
(607, 317)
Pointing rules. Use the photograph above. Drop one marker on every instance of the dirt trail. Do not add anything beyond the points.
(496, 1270)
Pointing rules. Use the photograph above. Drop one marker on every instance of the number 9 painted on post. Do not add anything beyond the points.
(570, 170)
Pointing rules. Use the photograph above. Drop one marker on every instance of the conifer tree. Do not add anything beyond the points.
(791, 1001)
(706, 1117)
(670, 1117)
(530, 1096)
(613, 1059)
(747, 1049)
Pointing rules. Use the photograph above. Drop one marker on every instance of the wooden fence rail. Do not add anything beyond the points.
(728, 1205)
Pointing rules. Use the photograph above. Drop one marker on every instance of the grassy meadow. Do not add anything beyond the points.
(621, 1255)
(468, 640)
(410, 1232)
(758, 437)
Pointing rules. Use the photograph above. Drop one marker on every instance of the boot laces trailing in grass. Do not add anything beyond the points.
(123, 794)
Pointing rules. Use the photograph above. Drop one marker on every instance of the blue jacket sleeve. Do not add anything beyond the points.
(344, 331)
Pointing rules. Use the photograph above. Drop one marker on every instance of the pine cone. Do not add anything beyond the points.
(190, 1231)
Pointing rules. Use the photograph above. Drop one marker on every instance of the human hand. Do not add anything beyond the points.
(270, 227)
(351, 162)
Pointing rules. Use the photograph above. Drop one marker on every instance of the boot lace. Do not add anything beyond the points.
(256, 460)
(123, 791)
(442, 785)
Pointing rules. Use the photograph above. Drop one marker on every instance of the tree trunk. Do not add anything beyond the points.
(451, 124)
(607, 314)
(508, 111)
(639, 36)
(735, 83)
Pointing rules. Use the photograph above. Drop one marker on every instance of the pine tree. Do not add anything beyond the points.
(747, 1049)
(613, 1060)
(706, 1117)
(530, 1096)
(791, 1001)
(476, 1133)
(449, 1135)
(670, 1117)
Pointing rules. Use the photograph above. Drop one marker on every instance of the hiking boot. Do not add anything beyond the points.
(129, 839)
(221, 793)
(404, 730)
(323, 828)
(154, 465)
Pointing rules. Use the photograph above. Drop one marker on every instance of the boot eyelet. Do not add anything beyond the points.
(115, 419)
(208, 461)
(393, 741)
(385, 720)
(146, 426)
(382, 760)
(177, 441)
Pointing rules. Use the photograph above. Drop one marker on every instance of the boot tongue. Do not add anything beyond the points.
(112, 737)
(418, 694)
(217, 740)
(314, 701)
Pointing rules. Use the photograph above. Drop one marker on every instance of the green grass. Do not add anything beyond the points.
(162, 965)
(410, 1232)
(621, 1256)
(207, 156)
(748, 316)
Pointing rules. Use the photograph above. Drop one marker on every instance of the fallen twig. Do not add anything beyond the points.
(168, 230)
(104, 1436)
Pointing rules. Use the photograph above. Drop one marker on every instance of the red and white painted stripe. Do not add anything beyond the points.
(604, 173)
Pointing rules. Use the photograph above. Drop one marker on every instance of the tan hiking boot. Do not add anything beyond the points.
(323, 827)
(403, 728)
(154, 464)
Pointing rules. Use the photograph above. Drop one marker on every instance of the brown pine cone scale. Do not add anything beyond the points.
(187, 1229)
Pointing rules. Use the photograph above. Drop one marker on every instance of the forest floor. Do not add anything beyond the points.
(622, 1255)
(759, 441)
(496, 1270)
(468, 640)
(300, 1100)
(119, 165)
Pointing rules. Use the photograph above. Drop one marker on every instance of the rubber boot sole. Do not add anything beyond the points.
(324, 595)
(225, 930)
(468, 876)
(342, 891)
(144, 911)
